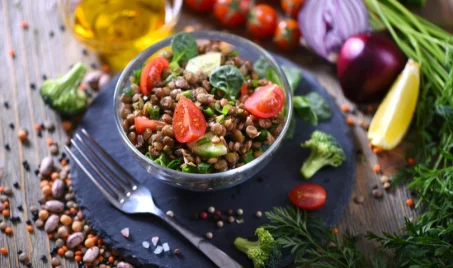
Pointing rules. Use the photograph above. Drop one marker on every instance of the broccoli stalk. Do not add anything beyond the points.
(63, 94)
(265, 253)
(324, 151)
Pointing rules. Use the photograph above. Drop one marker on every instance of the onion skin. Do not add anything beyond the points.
(367, 66)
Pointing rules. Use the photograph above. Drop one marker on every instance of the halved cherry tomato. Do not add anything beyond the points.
(151, 73)
(292, 7)
(266, 101)
(189, 123)
(141, 123)
(244, 90)
(287, 34)
(308, 196)
(200, 5)
(232, 13)
(262, 21)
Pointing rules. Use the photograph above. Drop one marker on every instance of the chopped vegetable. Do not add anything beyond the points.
(145, 244)
(152, 73)
(63, 94)
(324, 151)
(266, 102)
(166, 247)
(184, 47)
(125, 232)
(228, 79)
(154, 112)
(155, 240)
(158, 250)
(189, 123)
(142, 123)
(206, 148)
(204, 168)
(265, 252)
(327, 24)
(205, 63)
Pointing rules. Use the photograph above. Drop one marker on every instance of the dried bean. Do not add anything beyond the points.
(51, 223)
(75, 239)
(57, 188)
(55, 206)
(46, 166)
(91, 254)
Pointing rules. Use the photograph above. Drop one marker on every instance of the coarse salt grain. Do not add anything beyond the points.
(154, 240)
(166, 247)
(125, 232)
(158, 250)
(145, 244)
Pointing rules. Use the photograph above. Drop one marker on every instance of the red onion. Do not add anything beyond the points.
(326, 24)
(367, 66)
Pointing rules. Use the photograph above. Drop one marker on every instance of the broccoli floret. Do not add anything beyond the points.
(265, 253)
(63, 94)
(324, 151)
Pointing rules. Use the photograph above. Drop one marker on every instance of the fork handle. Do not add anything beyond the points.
(220, 258)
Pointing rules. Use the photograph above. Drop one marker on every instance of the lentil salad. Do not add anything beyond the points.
(201, 108)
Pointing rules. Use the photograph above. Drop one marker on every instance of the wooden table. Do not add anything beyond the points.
(45, 50)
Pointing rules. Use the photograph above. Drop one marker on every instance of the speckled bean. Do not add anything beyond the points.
(91, 254)
(75, 239)
(51, 223)
(46, 166)
(55, 206)
(57, 188)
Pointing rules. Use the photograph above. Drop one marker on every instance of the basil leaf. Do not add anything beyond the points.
(319, 105)
(228, 79)
(136, 75)
(293, 75)
(204, 168)
(304, 110)
(261, 66)
(184, 47)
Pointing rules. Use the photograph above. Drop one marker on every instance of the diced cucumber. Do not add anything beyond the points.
(205, 63)
(207, 149)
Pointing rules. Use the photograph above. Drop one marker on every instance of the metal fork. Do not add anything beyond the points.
(127, 195)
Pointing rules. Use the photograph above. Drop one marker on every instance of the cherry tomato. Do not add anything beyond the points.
(292, 7)
(151, 73)
(308, 196)
(262, 21)
(287, 34)
(200, 5)
(232, 13)
(189, 123)
(266, 101)
(244, 90)
(141, 123)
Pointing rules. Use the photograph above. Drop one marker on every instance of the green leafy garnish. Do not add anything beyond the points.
(136, 74)
(293, 75)
(188, 169)
(272, 76)
(319, 105)
(228, 79)
(153, 111)
(204, 168)
(187, 94)
(249, 157)
(162, 160)
(208, 111)
(184, 47)
(233, 53)
(304, 110)
(261, 67)
(174, 164)
(128, 91)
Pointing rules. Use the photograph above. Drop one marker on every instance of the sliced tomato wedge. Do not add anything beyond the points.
(151, 73)
(244, 90)
(266, 101)
(142, 123)
(189, 123)
(308, 196)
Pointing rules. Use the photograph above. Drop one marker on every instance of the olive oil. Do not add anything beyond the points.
(120, 29)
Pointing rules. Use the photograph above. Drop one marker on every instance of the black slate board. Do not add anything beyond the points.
(270, 188)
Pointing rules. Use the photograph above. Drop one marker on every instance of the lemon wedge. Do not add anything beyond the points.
(394, 115)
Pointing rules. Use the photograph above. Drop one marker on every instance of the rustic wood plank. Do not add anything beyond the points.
(38, 53)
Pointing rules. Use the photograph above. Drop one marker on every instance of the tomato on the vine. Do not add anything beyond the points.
(308, 196)
(189, 123)
(262, 21)
(266, 101)
(232, 13)
(200, 5)
(287, 34)
(151, 73)
(292, 7)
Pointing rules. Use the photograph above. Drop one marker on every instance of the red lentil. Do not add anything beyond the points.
(24, 24)
(12, 53)
(5, 213)
(350, 121)
(377, 150)
(411, 161)
(345, 108)
(335, 230)
(111, 259)
(49, 141)
(377, 168)
(4, 251)
(9, 230)
(37, 127)
(410, 202)
(105, 68)
(2, 189)
(29, 228)
(66, 125)
(60, 252)
(78, 258)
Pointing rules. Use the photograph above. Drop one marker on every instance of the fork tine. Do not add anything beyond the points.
(124, 173)
(107, 195)
(110, 174)
(98, 172)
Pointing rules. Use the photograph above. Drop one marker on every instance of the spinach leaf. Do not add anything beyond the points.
(228, 79)
(293, 75)
(162, 160)
(184, 47)
(304, 110)
(204, 168)
(174, 164)
(136, 75)
(272, 76)
(319, 105)
(261, 66)
(249, 157)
